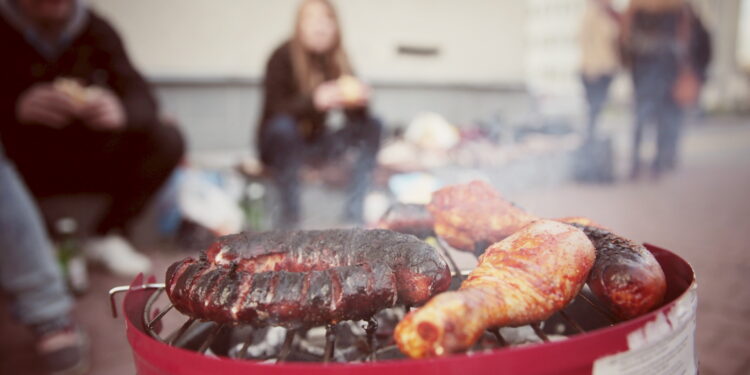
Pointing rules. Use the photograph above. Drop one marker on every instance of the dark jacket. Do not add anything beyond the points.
(282, 96)
(96, 55)
(701, 49)
(656, 37)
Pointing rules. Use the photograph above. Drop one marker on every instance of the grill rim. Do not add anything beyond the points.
(154, 355)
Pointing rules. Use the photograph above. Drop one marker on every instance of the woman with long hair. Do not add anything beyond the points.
(309, 78)
(659, 44)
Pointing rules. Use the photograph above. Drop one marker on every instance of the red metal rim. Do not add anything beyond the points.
(572, 356)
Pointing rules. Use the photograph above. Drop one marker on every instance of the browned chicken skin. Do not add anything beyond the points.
(626, 277)
(523, 279)
(475, 215)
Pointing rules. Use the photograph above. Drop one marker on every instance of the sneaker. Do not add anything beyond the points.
(116, 253)
(64, 351)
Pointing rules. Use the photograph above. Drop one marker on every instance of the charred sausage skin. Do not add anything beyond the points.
(626, 277)
(306, 278)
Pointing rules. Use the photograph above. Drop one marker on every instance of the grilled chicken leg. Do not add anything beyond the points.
(523, 279)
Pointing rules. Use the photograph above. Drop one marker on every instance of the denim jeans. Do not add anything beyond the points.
(29, 273)
(654, 103)
(284, 150)
(597, 89)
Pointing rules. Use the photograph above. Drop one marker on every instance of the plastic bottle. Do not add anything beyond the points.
(71, 258)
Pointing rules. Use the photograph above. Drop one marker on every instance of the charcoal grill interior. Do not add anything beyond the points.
(348, 341)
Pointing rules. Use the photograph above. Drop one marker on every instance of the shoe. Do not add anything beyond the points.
(64, 351)
(116, 253)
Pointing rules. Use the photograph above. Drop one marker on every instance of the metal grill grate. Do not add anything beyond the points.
(306, 349)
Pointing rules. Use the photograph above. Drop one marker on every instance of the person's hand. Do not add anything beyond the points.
(362, 98)
(355, 93)
(103, 110)
(43, 105)
(328, 96)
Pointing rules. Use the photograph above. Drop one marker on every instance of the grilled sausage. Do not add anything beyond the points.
(626, 277)
(306, 278)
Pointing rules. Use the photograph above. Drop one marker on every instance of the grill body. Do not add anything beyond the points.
(576, 355)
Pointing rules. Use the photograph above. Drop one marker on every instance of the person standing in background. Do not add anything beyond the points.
(307, 79)
(660, 45)
(600, 56)
(700, 46)
(76, 117)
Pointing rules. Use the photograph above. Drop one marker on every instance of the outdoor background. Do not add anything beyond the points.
(510, 63)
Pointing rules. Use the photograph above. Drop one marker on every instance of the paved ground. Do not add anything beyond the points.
(702, 212)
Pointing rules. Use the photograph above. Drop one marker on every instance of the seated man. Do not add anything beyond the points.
(30, 276)
(76, 117)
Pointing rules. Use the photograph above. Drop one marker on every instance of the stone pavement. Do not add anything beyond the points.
(701, 212)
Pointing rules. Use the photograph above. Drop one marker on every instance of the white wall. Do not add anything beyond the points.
(728, 88)
(481, 41)
(744, 36)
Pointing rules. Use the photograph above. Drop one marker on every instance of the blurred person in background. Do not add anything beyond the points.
(700, 47)
(600, 56)
(31, 278)
(76, 117)
(668, 54)
(307, 78)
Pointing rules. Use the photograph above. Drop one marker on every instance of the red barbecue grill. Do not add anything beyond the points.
(660, 342)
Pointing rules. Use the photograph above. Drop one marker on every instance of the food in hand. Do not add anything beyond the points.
(75, 90)
(352, 90)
